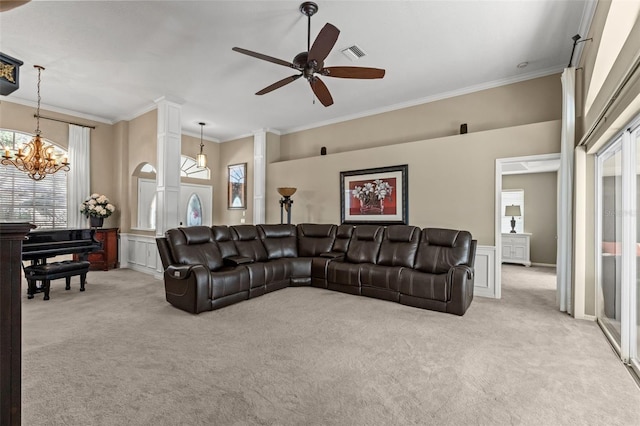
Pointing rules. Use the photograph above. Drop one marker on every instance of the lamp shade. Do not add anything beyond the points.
(512, 211)
(287, 191)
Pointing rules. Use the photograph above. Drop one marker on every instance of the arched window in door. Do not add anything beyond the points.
(194, 211)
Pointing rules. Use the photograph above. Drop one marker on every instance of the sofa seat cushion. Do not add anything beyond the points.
(385, 277)
(342, 273)
(277, 270)
(300, 266)
(229, 281)
(256, 274)
(424, 285)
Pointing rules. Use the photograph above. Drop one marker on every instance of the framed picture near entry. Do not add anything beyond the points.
(237, 186)
(375, 196)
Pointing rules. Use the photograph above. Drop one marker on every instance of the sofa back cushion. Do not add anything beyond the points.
(441, 249)
(315, 239)
(343, 237)
(222, 236)
(399, 246)
(365, 244)
(279, 240)
(248, 242)
(194, 245)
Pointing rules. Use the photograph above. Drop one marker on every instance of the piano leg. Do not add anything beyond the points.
(46, 286)
(31, 289)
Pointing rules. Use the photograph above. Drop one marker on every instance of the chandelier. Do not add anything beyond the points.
(35, 158)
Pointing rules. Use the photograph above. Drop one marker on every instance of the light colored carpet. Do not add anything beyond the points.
(119, 354)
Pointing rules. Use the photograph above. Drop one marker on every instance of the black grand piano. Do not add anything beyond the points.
(45, 244)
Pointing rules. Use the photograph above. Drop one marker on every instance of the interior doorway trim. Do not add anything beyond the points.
(508, 166)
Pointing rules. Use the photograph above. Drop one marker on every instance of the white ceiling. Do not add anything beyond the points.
(110, 60)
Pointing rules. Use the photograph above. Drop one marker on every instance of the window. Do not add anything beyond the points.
(512, 197)
(43, 203)
(189, 168)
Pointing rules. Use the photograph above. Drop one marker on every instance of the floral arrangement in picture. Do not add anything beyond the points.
(372, 195)
(98, 206)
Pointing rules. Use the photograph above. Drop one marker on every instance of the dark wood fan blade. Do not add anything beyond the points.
(353, 72)
(324, 43)
(264, 57)
(321, 91)
(279, 84)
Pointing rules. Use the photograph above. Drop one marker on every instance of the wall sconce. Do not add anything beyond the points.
(285, 202)
(512, 211)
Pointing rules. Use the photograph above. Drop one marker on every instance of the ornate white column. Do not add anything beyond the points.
(259, 175)
(168, 174)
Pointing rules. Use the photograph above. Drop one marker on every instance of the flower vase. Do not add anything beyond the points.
(371, 207)
(96, 222)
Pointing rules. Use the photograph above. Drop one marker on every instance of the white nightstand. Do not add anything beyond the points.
(515, 248)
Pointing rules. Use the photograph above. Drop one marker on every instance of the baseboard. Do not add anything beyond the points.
(545, 265)
(587, 317)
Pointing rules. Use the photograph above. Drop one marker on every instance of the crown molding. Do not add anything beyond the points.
(428, 99)
(51, 108)
(205, 137)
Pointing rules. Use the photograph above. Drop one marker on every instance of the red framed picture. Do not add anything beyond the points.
(374, 195)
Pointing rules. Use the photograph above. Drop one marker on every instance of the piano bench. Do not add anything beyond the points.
(54, 271)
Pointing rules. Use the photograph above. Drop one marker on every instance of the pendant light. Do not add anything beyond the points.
(201, 159)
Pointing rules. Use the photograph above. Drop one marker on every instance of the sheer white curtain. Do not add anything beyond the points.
(78, 184)
(565, 192)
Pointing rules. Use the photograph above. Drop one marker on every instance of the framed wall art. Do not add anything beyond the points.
(375, 196)
(237, 186)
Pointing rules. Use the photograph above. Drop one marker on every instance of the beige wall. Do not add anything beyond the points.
(540, 206)
(451, 179)
(233, 152)
(527, 102)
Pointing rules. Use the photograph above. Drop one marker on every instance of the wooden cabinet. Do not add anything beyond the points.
(515, 248)
(107, 258)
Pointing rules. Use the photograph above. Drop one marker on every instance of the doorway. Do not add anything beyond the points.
(522, 171)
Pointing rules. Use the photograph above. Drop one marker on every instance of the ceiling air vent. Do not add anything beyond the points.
(353, 52)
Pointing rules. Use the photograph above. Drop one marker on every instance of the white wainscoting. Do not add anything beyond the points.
(485, 276)
(139, 252)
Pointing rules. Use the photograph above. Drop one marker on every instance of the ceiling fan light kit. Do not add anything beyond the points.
(310, 64)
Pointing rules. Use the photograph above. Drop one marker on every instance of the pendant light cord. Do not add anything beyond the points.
(38, 107)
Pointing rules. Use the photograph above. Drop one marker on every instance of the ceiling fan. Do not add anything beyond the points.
(311, 63)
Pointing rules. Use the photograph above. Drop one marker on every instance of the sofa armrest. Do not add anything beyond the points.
(187, 287)
(237, 260)
(461, 280)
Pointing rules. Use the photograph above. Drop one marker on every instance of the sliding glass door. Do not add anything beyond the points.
(609, 291)
(618, 291)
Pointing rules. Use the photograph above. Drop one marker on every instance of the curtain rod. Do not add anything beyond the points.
(63, 121)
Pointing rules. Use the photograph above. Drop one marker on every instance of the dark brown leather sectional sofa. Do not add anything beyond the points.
(207, 268)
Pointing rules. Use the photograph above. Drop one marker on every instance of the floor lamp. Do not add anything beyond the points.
(286, 202)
